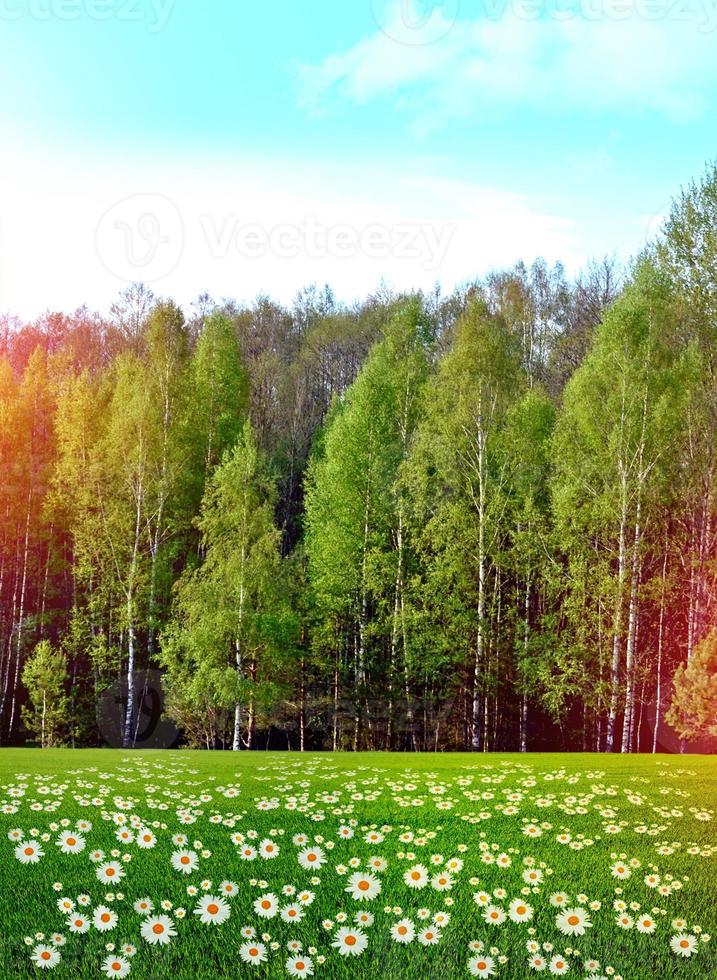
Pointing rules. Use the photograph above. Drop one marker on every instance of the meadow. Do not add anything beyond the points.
(206, 865)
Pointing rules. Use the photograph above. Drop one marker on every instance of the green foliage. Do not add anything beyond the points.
(693, 711)
(229, 610)
(45, 677)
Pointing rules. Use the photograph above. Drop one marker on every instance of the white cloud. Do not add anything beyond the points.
(77, 230)
(619, 55)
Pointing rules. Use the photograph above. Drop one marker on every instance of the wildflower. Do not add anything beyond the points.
(350, 942)
(212, 910)
(158, 930)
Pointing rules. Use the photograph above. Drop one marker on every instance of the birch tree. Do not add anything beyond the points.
(227, 611)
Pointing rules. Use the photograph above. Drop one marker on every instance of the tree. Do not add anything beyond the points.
(693, 711)
(612, 453)
(227, 612)
(216, 406)
(45, 677)
(457, 483)
(355, 521)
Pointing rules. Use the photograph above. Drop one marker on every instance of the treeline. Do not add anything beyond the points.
(479, 521)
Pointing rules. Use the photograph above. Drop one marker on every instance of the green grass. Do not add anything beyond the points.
(656, 801)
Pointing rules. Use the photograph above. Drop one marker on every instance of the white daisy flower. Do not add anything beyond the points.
(45, 957)
(116, 966)
(403, 931)
(266, 906)
(212, 910)
(350, 942)
(158, 930)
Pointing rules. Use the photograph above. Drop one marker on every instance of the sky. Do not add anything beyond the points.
(243, 148)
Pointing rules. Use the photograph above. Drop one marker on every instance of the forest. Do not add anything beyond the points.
(478, 521)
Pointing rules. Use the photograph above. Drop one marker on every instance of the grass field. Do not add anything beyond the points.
(323, 865)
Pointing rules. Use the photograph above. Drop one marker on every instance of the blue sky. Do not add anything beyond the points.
(466, 134)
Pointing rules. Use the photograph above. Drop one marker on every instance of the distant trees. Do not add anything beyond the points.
(45, 677)
(228, 610)
(693, 712)
(484, 521)
(623, 412)
(356, 529)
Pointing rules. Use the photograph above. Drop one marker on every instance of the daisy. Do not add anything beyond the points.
(266, 906)
(442, 882)
(403, 931)
(429, 936)
(212, 910)
(363, 888)
(145, 838)
(532, 876)
(620, 871)
(311, 857)
(558, 965)
(537, 963)
(559, 899)
(70, 842)
(185, 861)
(116, 966)
(78, 923)
(268, 849)
(416, 877)
(158, 929)
(229, 888)
(143, 906)
(350, 942)
(646, 924)
(573, 922)
(247, 853)
(292, 913)
(683, 944)
(300, 966)
(29, 853)
(494, 915)
(253, 953)
(104, 919)
(481, 966)
(520, 911)
(625, 921)
(45, 957)
(65, 905)
(109, 872)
